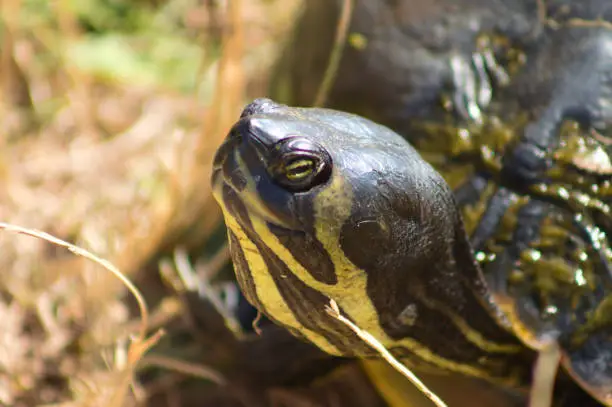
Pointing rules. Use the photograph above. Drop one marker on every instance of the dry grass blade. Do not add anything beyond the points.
(545, 373)
(144, 314)
(138, 347)
(135, 354)
(541, 9)
(597, 23)
(334, 311)
(202, 286)
(229, 89)
(207, 271)
(336, 53)
(184, 367)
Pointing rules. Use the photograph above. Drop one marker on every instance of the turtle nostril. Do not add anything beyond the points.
(261, 105)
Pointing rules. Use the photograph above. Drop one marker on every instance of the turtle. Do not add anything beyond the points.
(453, 198)
(324, 205)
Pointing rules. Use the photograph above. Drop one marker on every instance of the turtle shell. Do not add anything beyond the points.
(511, 101)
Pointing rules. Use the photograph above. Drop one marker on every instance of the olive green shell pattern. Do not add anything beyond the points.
(467, 82)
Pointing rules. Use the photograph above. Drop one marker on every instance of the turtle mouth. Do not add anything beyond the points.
(229, 173)
(216, 178)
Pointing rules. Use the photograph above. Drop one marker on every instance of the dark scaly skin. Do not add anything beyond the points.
(394, 220)
(530, 165)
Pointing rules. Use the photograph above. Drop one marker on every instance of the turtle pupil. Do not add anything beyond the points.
(299, 169)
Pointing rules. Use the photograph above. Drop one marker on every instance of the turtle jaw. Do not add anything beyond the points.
(233, 193)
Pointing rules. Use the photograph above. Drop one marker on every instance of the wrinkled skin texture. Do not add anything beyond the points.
(534, 99)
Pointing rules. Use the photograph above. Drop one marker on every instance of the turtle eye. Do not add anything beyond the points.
(299, 165)
(299, 169)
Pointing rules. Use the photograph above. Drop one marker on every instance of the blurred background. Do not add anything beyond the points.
(110, 113)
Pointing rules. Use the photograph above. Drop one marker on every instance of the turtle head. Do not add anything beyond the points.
(322, 205)
(295, 176)
(330, 193)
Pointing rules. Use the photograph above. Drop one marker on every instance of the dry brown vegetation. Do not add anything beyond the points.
(110, 112)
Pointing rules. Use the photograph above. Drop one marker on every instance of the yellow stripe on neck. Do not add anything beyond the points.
(265, 288)
(332, 207)
(350, 291)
